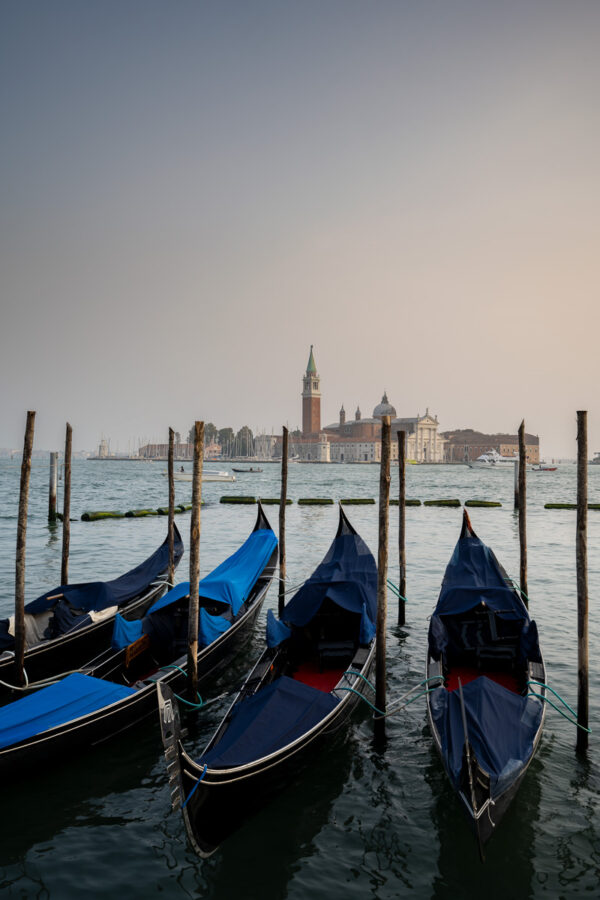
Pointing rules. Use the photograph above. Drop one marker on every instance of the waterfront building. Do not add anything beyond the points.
(359, 439)
(465, 445)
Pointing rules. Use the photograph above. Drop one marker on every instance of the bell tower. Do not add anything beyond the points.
(311, 398)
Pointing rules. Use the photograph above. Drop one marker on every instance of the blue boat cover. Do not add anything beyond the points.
(230, 583)
(501, 726)
(271, 719)
(348, 577)
(210, 627)
(277, 631)
(474, 576)
(73, 697)
(98, 595)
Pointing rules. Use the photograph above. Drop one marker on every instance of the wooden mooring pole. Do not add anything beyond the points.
(582, 583)
(53, 487)
(171, 522)
(402, 525)
(516, 467)
(66, 531)
(282, 505)
(20, 556)
(382, 564)
(195, 560)
(523, 514)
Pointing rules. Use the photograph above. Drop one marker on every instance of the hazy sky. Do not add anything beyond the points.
(194, 192)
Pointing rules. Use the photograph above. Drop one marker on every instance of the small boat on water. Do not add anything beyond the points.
(206, 476)
(72, 623)
(484, 653)
(118, 688)
(246, 470)
(297, 696)
(493, 460)
(543, 467)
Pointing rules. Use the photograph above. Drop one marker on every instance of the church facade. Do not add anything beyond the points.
(359, 440)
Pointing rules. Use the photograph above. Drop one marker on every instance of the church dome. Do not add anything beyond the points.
(384, 408)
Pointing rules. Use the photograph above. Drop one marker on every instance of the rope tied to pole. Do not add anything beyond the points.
(573, 721)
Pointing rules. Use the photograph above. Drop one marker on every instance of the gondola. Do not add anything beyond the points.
(297, 696)
(483, 653)
(118, 689)
(70, 624)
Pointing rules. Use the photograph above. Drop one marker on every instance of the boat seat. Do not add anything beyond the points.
(331, 653)
(496, 657)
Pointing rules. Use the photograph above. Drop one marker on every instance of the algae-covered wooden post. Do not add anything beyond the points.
(66, 531)
(382, 562)
(523, 513)
(20, 556)
(195, 559)
(282, 505)
(171, 522)
(582, 582)
(52, 487)
(402, 525)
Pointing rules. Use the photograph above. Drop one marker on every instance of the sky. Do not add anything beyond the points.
(193, 193)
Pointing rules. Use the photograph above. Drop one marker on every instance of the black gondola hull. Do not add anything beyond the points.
(59, 743)
(223, 800)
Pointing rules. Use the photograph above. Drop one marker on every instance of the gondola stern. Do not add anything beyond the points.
(170, 729)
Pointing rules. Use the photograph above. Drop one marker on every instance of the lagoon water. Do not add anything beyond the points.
(359, 822)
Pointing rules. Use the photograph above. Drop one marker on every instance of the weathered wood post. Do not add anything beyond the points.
(582, 583)
(402, 525)
(52, 487)
(195, 559)
(523, 513)
(66, 530)
(282, 505)
(516, 473)
(20, 556)
(171, 530)
(382, 561)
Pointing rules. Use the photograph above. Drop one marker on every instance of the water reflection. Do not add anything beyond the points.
(72, 794)
(508, 870)
(270, 846)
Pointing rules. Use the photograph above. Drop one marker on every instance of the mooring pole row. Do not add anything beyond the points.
(582, 584)
(20, 555)
(66, 529)
(523, 512)
(282, 506)
(171, 522)
(402, 525)
(382, 564)
(195, 560)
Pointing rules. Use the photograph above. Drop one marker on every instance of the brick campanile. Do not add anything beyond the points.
(311, 398)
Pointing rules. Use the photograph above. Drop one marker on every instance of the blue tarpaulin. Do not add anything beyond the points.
(347, 576)
(277, 631)
(274, 717)
(230, 583)
(73, 697)
(210, 627)
(501, 726)
(98, 595)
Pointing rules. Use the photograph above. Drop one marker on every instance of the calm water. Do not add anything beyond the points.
(358, 823)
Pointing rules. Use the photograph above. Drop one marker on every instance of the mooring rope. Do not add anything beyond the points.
(554, 706)
(191, 793)
(394, 588)
(393, 707)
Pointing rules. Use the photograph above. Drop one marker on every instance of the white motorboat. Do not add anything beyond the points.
(493, 460)
(206, 476)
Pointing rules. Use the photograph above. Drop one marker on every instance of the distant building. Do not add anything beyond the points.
(358, 439)
(465, 445)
